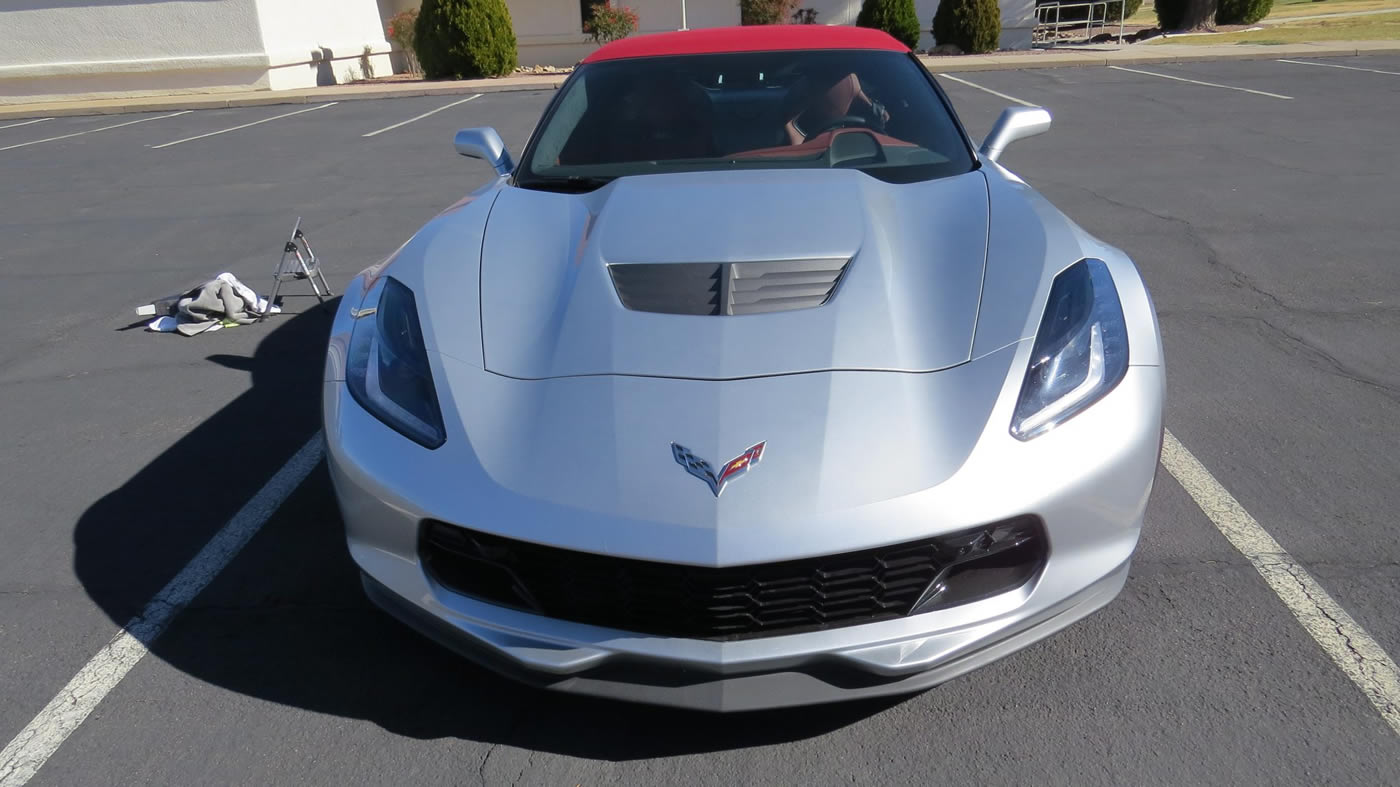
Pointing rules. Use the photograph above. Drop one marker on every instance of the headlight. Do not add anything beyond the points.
(387, 370)
(1080, 352)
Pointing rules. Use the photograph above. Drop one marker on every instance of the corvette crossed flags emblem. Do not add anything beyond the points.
(731, 470)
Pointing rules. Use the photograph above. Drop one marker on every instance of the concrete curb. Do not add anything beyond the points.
(1139, 54)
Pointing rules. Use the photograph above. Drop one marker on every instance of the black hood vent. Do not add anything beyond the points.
(727, 288)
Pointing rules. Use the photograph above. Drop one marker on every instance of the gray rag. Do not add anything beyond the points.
(211, 304)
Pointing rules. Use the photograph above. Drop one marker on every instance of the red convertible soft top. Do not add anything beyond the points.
(755, 38)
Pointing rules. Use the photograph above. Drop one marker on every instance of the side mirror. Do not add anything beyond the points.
(1015, 123)
(484, 143)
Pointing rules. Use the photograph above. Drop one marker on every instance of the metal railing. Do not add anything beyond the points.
(1050, 24)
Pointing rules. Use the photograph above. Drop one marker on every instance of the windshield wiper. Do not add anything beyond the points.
(571, 184)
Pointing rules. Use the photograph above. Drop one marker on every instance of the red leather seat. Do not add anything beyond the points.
(824, 108)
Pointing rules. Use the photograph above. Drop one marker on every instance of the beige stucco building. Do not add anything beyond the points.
(550, 32)
(71, 49)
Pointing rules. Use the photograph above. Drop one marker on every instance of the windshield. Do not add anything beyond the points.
(877, 112)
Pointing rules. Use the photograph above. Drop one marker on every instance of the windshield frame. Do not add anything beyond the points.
(527, 155)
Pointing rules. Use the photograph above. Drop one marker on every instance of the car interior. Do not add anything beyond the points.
(874, 111)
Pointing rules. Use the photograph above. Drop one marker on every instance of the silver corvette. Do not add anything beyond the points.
(753, 383)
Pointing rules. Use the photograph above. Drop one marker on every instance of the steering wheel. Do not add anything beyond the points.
(848, 121)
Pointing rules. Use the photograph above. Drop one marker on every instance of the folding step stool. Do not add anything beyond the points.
(298, 262)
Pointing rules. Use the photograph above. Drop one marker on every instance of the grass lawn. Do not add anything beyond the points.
(1380, 27)
(1145, 16)
(1283, 9)
(1286, 8)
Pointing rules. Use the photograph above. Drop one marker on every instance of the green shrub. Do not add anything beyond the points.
(465, 39)
(1127, 9)
(974, 25)
(607, 22)
(400, 31)
(1242, 12)
(1184, 14)
(896, 17)
(765, 12)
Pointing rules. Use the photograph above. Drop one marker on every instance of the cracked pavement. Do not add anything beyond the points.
(1267, 231)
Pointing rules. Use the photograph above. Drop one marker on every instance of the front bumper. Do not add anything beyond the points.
(817, 678)
(1088, 481)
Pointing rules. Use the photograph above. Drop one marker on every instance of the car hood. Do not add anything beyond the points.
(906, 299)
(590, 463)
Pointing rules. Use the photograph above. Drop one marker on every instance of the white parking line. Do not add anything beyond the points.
(26, 123)
(32, 747)
(420, 117)
(1360, 657)
(1199, 82)
(1335, 65)
(94, 130)
(988, 90)
(245, 125)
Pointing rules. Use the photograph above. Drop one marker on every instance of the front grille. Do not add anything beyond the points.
(726, 288)
(736, 602)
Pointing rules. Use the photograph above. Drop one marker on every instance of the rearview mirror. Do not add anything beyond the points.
(484, 143)
(1015, 123)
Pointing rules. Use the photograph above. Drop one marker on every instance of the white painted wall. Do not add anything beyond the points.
(297, 31)
(71, 49)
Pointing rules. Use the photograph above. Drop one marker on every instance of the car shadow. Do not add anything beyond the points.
(287, 622)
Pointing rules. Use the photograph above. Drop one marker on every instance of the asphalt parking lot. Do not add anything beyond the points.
(1259, 198)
